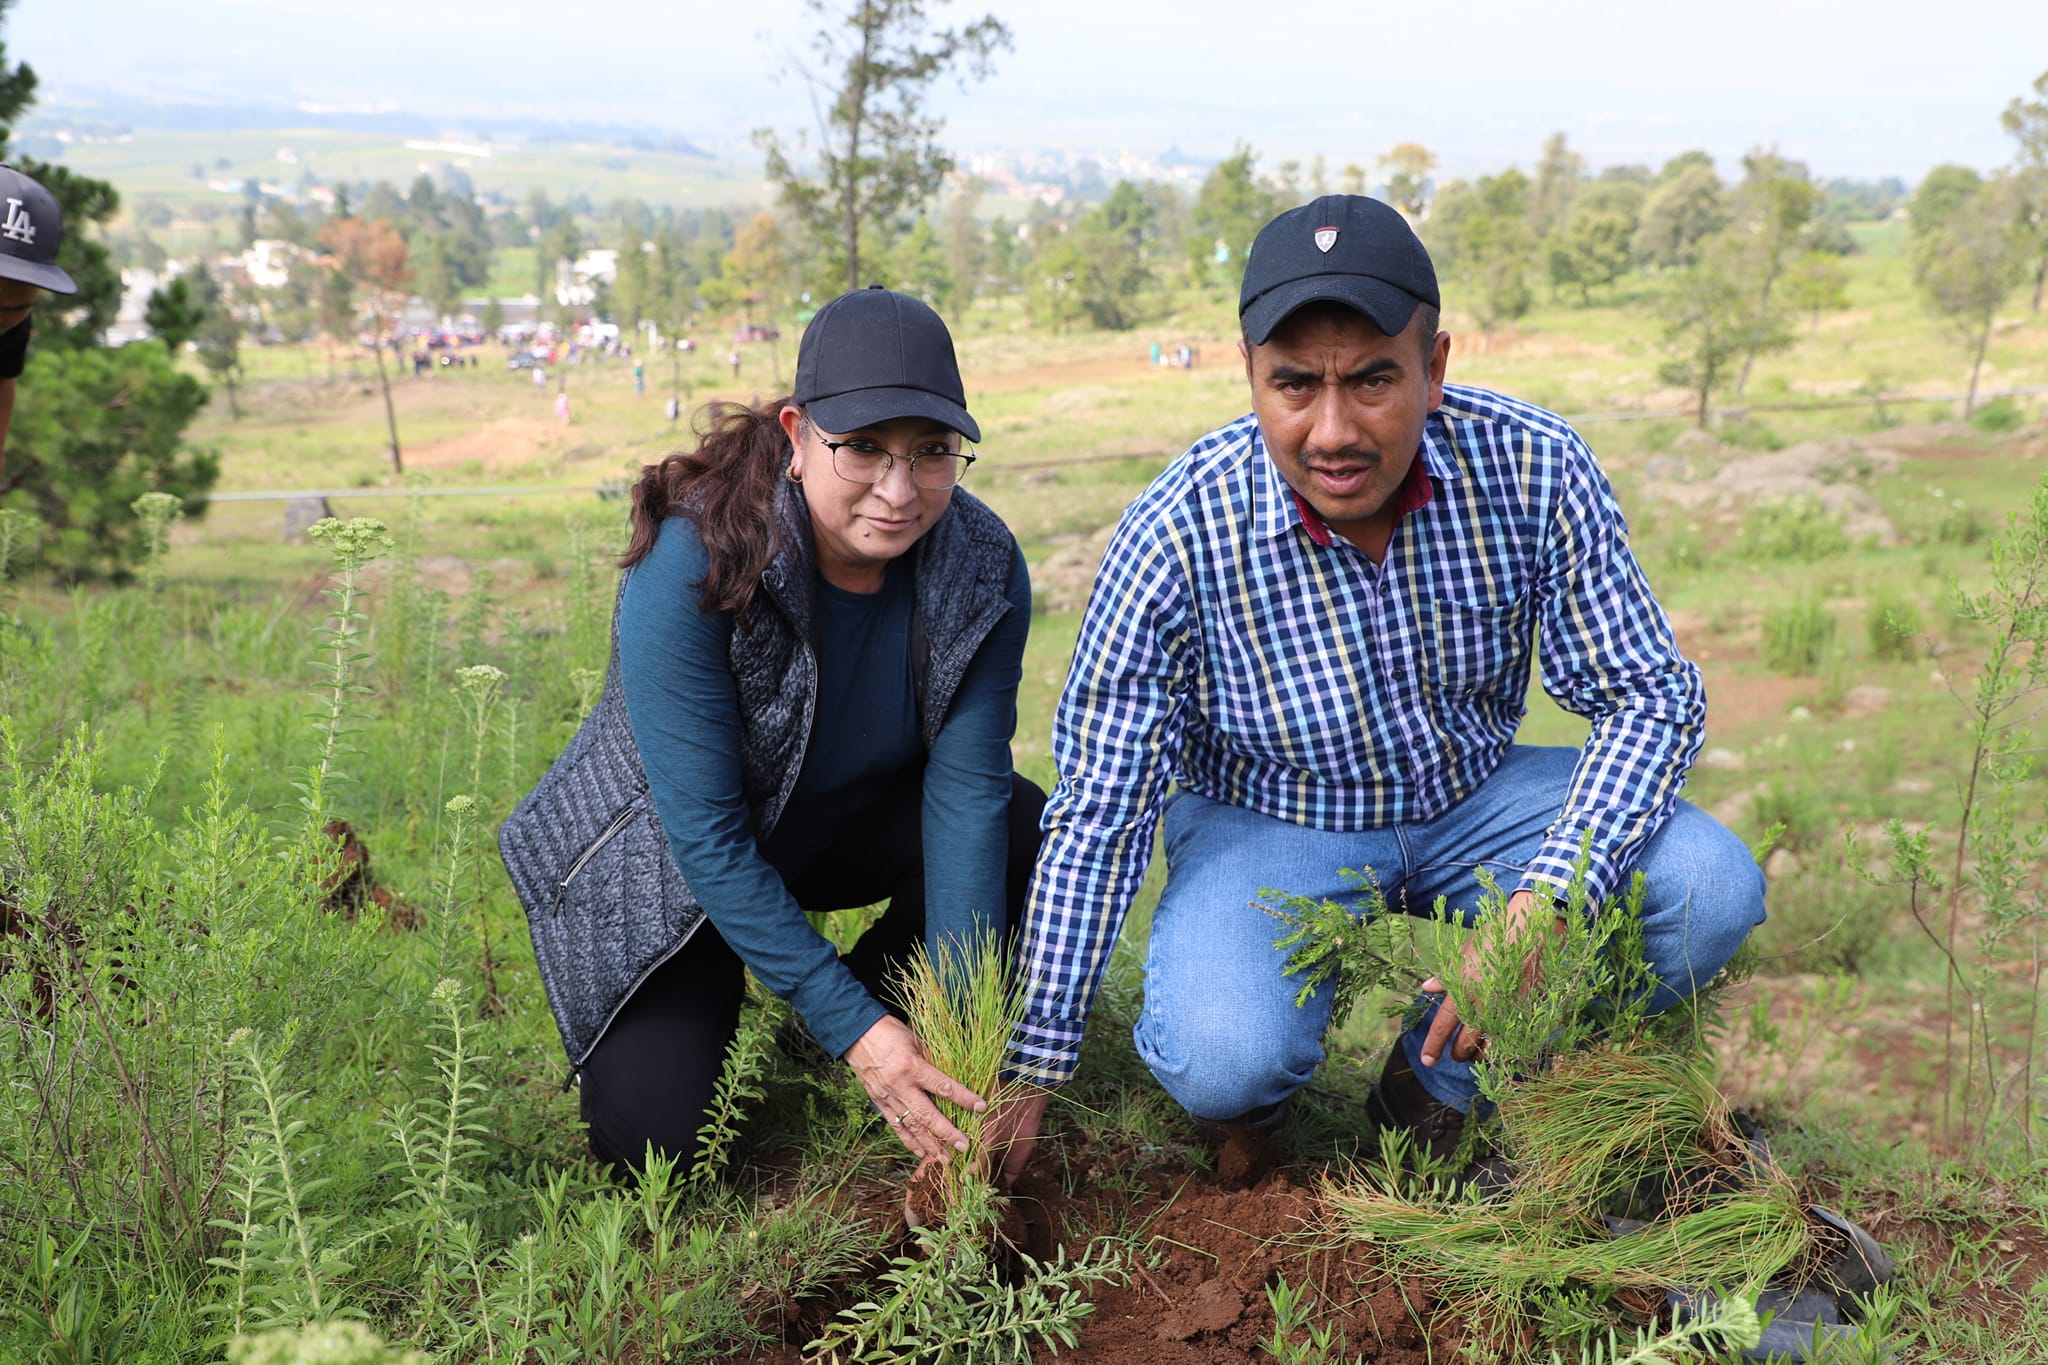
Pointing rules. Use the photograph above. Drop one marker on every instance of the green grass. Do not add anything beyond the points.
(223, 656)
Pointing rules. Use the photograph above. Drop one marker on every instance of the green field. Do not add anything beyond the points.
(164, 780)
(153, 163)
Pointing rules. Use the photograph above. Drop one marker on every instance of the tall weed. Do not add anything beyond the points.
(1795, 530)
(1794, 639)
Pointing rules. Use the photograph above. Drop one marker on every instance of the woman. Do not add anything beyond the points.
(816, 655)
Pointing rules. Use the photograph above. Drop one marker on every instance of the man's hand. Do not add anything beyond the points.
(901, 1080)
(1513, 922)
(1013, 1131)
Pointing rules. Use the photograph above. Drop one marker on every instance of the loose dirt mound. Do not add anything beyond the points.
(1197, 1295)
(507, 443)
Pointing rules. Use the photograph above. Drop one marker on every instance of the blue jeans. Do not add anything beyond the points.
(1220, 1028)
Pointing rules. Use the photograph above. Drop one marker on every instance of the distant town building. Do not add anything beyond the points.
(577, 281)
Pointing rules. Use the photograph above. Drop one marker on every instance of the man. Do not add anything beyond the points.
(31, 229)
(1318, 626)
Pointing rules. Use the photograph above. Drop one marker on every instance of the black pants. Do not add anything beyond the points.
(650, 1078)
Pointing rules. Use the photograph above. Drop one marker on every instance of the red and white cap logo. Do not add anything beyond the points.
(1326, 237)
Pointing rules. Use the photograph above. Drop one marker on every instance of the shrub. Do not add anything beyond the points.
(1747, 433)
(2000, 414)
(1797, 529)
(1796, 637)
(1959, 523)
(106, 427)
(1894, 624)
(1821, 921)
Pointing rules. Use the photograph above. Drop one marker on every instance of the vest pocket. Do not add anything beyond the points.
(616, 871)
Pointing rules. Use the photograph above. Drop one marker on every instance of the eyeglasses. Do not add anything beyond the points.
(862, 461)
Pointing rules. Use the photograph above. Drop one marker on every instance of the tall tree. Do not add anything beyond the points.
(1557, 181)
(173, 313)
(219, 340)
(1768, 211)
(1815, 283)
(1709, 325)
(632, 286)
(1229, 210)
(751, 277)
(1686, 207)
(106, 427)
(1287, 183)
(1967, 268)
(2027, 121)
(1496, 249)
(560, 241)
(337, 304)
(877, 151)
(917, 266)
(966, 248)
(1940, 196)
(1407, 165)
(1108, 252)
(1592, 248)
(372, 254)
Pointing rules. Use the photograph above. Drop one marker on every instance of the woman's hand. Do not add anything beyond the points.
(901, 1081)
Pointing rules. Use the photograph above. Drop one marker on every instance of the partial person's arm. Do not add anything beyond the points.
(683, 706)
(684, 709)
(1115, 733)
(1608, 654)
(967, 783)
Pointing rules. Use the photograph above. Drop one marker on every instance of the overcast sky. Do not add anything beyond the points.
(1852, 87)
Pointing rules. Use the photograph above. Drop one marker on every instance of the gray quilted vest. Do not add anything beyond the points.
(585, 850)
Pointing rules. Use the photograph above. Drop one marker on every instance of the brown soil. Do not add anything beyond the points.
(1206, 1255)
(350, 886)
(1198, 1293)
(1068, 375)
(508, 443)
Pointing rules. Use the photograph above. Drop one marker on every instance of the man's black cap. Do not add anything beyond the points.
(31, 226)
(873, 355)
(1344, 247)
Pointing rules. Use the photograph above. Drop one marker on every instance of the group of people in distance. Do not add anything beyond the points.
(1307, 649)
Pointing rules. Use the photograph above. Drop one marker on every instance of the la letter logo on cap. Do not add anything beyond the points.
(1325, 237)
(22, 228)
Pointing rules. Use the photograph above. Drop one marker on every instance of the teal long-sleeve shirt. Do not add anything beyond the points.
(684, 709)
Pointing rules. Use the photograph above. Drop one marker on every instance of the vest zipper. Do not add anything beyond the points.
(619, 822)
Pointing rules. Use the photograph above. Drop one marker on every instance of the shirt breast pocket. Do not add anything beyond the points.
(1474, 647)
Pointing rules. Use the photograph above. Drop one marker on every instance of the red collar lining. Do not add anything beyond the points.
(1412, 496)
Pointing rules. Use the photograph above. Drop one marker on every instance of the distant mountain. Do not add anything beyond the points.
(111, 114)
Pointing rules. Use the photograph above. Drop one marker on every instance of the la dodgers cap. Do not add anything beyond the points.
(872, 355)
(31, 226)
(1343, 247)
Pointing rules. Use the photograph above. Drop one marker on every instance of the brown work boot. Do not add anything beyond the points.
(1398, 1101)
(1436, 1129)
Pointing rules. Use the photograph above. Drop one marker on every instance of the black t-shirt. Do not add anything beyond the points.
(14, 350)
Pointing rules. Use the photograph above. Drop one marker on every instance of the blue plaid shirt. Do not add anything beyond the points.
(1232, 646)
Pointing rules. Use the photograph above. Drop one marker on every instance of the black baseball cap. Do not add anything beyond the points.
(873, 355)
(1343, 247)
(31, 226)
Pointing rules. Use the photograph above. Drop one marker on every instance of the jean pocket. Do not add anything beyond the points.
(1476, 646)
